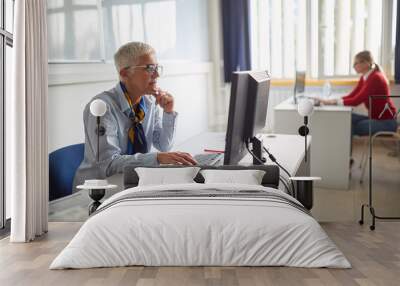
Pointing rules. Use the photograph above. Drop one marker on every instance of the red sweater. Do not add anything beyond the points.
(375, 84)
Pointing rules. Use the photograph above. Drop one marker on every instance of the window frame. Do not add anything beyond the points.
(73, 7)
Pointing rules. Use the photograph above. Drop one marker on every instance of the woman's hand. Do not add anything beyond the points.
(176, 158)
(165, 100)
(327, 101)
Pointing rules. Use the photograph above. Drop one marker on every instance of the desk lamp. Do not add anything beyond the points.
(305, 108)
(98, 108)
(304, 190)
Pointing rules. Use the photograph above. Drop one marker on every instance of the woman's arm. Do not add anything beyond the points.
(356, 90)
(353, 93)
(164, 130)
(375, 85)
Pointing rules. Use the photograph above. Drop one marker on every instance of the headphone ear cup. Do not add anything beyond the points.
(303, 130)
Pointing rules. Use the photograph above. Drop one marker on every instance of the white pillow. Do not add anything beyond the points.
(164, 176)
(248, 177)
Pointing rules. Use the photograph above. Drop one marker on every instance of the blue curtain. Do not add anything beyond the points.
(236, 36)
(397, 47)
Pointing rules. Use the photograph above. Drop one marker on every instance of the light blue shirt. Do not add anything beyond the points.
(113, 145)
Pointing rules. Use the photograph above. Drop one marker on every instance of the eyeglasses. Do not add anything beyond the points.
(150, 68)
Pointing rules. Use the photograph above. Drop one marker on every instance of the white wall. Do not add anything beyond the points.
(71, 86)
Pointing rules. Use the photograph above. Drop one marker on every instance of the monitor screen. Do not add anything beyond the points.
(299, 85)
(247, 112)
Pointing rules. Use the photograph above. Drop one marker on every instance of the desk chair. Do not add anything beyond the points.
(62, 167)
(385, 136)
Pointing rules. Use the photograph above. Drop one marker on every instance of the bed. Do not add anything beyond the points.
(201, 224)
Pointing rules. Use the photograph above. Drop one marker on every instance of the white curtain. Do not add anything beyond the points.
(26, 124)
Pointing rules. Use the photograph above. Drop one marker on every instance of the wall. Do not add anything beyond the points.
(71, 86)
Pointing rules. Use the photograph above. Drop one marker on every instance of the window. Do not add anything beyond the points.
(321, 36)
(6, 42)
(92, 30)
(152, 22)
(74, 30)
(277, 36)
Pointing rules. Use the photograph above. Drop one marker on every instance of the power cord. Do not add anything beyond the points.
(252, 154)
(284, 183)
(273, 159)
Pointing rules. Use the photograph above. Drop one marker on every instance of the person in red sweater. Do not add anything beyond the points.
(372, 82)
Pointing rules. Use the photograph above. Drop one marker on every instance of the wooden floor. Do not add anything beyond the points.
(375, 257)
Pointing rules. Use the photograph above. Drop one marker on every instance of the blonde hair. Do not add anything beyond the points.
(366, 56)
(129, 54)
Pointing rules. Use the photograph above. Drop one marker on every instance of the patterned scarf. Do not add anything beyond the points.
(136, 137)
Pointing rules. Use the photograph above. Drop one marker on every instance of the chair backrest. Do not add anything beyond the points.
(396, 101)
(62, 167)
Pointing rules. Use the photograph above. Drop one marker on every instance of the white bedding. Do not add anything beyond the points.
(200, 231)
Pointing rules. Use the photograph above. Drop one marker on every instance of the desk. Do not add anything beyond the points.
(287, 149)
(330, 127)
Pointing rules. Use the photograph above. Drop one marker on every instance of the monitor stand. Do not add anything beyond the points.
(257, 143)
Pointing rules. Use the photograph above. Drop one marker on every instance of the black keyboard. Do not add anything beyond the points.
(208, 159)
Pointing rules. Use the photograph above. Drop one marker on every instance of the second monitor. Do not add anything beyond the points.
(299, 85)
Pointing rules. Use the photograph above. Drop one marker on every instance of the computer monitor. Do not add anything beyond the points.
(299, 85)
(247, 114)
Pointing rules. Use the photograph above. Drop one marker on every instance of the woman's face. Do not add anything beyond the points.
(361, 66)
(141, 79)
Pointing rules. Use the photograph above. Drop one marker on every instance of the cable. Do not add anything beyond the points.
(252, 154)
(281, 179)
(287, 183)
(273, 159)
